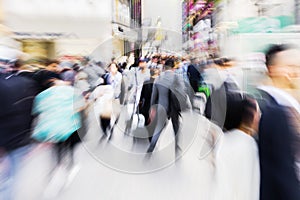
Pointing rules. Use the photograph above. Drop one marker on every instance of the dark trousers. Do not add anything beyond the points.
(67, 146)
(105, 124)
(160, 125)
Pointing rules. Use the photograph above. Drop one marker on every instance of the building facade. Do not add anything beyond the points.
(70, 27)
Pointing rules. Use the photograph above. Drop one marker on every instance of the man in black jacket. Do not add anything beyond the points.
(278, 137)
(17, 90)
(166, 101)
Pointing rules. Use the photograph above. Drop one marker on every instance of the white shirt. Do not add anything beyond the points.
(238, 170)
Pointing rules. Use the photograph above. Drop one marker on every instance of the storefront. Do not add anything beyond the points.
(197, 29)
(68, 30)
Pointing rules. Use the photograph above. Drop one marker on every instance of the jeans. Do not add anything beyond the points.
(10, 165)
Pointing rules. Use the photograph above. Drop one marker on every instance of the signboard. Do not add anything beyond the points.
(42, 36)
(263, 24)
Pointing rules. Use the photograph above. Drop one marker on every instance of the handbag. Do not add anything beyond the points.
(103, 106)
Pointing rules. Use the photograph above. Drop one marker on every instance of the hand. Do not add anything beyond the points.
(152, 113)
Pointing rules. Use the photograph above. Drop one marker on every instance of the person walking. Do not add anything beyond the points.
(279, 144)
(165, 103)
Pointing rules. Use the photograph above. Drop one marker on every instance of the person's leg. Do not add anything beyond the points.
(84, 124)
(176, 126)
(10, 165)
(154, 140)
(73, 141)
(59, 150)
(175, 123)
(105, 124)
(73, 167)
(152, 123)
(6, 174)
(161, 118)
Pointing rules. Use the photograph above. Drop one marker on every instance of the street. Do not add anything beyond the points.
(120, 169)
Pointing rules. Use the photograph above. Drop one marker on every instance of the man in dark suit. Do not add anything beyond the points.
(277, 136)
(165, 103)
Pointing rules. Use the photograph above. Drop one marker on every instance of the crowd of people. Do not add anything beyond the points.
(259, 152)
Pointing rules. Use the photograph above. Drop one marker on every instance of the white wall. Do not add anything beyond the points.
(170, 12)
(86, 20)
(243, 44)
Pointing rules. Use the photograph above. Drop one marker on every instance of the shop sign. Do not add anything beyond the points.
(46, 36)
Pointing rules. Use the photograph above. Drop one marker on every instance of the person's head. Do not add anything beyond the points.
(250, 115)
(142, 63)
(123, 66)
(242, 112)
(53, 66)
(155, 59)
(224, 62)
(195, 60)
(76, 67)
(68, 76)
(163, 60)
(283, 63)
(169, 64)
(85, 61)
(113, 68)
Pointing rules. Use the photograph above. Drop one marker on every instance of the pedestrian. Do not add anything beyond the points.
(279, 144)
(166, 104)
(17, 89)
(57, 111)
(110, 104)
(138, 75)
(145, 100)
(237, 160)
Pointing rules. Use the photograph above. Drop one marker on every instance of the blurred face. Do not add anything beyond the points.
(142, 65)
(52, 67)
(155, 60)
(287, 67)
(113, 68)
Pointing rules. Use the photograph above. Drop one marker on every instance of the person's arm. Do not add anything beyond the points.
(117, 89)
(154, 95)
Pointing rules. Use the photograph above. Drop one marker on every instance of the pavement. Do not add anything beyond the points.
(119, 168)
